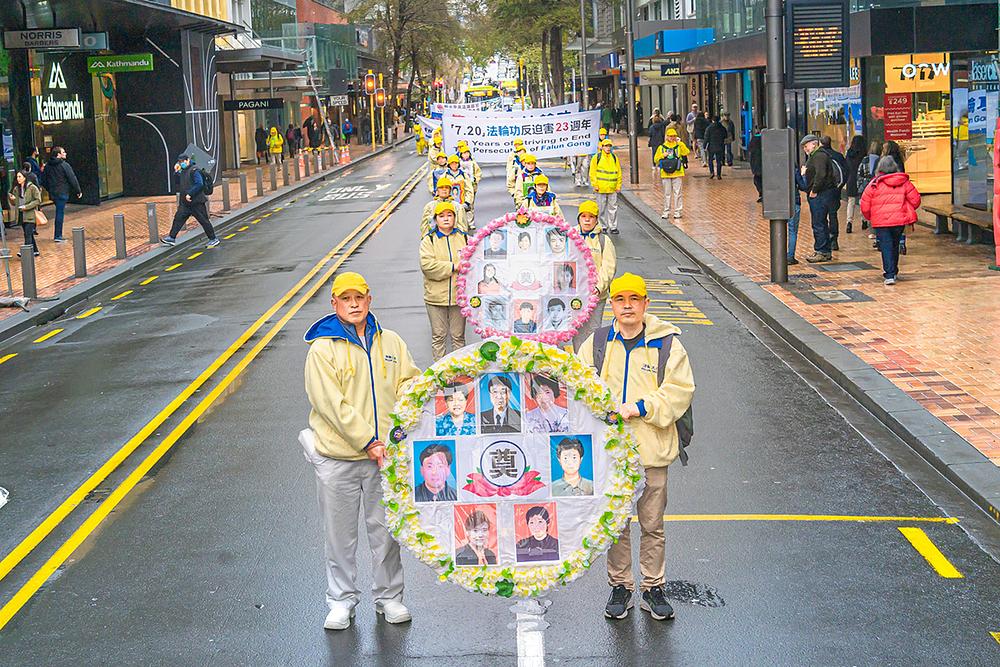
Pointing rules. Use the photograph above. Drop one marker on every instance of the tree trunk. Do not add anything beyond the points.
(544, 71)
(556, 61)
(397, 56)
(409, 87)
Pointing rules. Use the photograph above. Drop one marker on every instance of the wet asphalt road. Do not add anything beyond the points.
(216, 557)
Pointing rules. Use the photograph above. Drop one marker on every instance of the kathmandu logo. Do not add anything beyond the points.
(56, 78)
(50, 109)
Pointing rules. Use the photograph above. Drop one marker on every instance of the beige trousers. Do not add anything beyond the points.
(446, 321)
(652, 540)
(672, 190)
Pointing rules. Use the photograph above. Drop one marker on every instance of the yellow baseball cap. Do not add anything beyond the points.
(463, 144)
(444, 182)
(454, 159)
(606, 142)
(588, 207)
(628, 282)
(349, 280)
(443, 206)
(603, 132)
(671, 132)
(518, 141)
(528, 157)
(541, 179)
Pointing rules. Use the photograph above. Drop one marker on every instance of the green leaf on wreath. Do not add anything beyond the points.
(580, 393)
(529, 366)
(488, 350)
(505, 588)
(515, 341)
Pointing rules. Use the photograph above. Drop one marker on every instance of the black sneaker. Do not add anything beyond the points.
(902, 247)
(168, 241)
(834, 245)
(792, 261)
(613, 231)
(655, 602)
(850, 227)
(619, 603)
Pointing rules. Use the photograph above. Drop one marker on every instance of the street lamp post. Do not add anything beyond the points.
(583, 57)
(777, 121)
(370, 92)
(633, 139)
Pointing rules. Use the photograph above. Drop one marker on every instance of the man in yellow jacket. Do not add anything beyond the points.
(605, 259)
(444, 192)
(606, 179)
(671, 157)
(647, 369)
(355, 371)
(514, 165)
(439, 258)
(436, 147)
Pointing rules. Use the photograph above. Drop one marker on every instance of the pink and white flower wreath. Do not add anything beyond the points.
(536, 217)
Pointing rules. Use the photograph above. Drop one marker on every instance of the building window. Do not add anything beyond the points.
(975, 97)
(658, 10)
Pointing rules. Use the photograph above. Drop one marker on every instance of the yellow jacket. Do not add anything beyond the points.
(533, 204)
(432, 153)
(275, 142)
(438, 261)
(467, 186)
(605, 260)
(655, 430)
(473, 170)
(523, 182)
(605, 173)
(661, 153)
(427, 217)
(353, 385)
(514, 168)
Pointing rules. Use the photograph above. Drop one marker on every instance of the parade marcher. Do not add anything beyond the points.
(444, 192)
(605, 259)
(822, 193)
(439, 259)
(437, 171)
(540, 198)
(436, 147)
(355, 371)
(647, 369)
(890, 202)
(276, 145)
(193, 202)
(671, 158)
(606, 179)
(418, 130)
(463, 188)
(514, 165)
(469, 164)
(525, 178)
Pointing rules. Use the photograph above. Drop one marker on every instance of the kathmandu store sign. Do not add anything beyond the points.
(48, 108)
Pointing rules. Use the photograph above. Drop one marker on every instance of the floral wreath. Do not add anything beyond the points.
(524, 217)
(584, 385)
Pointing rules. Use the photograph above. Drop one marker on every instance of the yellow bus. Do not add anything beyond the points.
(481, 93)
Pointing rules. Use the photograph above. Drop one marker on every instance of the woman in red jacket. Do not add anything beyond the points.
(890, 202)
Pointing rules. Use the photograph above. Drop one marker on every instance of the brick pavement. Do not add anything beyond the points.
(54, 268)
(933, 334)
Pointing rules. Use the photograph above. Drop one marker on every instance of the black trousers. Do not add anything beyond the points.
(200, 213)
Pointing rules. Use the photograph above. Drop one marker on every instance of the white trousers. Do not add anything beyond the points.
(607, 205)
(581, 165)
(345, 488)
(672, 193)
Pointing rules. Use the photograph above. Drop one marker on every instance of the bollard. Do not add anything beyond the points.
(226, 203)
(243, 188)
(306, 160)
(317, 166)
(80, 252)
(120, 236)
(274, 177)
(154, 228)
(284, 173)
(297, 171)
(28, 272)
(260, 181)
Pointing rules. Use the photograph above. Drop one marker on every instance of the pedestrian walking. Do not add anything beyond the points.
(193, 201)
(61, 182)
(855, 154)
(671, 158)
(689, 120)
(34, 166)
(607, 116)
(439, 260)
(866, 172)
(657, 132)
(838, 163)
(646, 367)
(757, 163)
(890, 202)
(355, 371)
(727, 123)
(700, 125)
(602, 249)
(290, 143)
(606, 179)
(260, 139)
(26, 199)
(893, 150)
(715, 144)
(276, 146)
(821, 193)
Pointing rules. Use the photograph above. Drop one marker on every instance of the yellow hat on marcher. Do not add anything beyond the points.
(454, 159)
(518, 141)
(443, 182)
(606, 142)
(603, 132)
(443, 206)
(463, 144)
(628, 282)
(437, 131)
(528, 157)
(349, 280)
(588, 206)
(671, 132)
(541, 179)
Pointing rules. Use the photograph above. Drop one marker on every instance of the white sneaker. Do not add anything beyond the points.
(339, 617)
(393, 610)
(665, 215)
(890, 281)
(677, 215)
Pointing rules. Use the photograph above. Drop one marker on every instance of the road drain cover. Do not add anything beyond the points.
(685, 270)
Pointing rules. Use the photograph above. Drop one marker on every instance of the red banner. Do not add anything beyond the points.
(898, 116)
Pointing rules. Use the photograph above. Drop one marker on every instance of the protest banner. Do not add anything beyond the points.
(491, 136)
(429, 124)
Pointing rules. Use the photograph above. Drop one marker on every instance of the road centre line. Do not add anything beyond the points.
(996, 636)
(32, 540)
(243, 228)
(27, 591)
(919, 540)
(228, 236)
(42, 339)
(174, 266)
(196, 255)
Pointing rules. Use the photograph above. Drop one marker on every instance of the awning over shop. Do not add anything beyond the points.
(241, 52)
(110, 15)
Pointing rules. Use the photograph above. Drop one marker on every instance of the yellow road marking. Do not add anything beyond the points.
(122, 295)
(196, 255)
(28, 544)
(254, 222)
(149, 280)
(228, 236)
(806, 517)
(930, 552)
(243, 228)
(7, 357)
(54, 332)
(87, 313)
(280, 208)
(174, 266)
(266, 215)
(996, 636)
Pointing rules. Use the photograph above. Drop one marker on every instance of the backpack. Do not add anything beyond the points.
(840, 168)
(685, 425)
(866, 171)
(208, 185)
(671, 161)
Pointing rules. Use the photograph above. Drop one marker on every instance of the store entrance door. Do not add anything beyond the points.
(109, 151)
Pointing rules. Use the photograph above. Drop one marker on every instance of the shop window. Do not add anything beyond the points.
(975, 99)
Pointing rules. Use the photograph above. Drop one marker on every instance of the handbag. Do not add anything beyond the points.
(40, 219)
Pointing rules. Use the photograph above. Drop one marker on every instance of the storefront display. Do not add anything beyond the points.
(975, 98)
(836, 112)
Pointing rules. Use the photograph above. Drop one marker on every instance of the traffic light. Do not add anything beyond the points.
(369, 83)
(380, 97)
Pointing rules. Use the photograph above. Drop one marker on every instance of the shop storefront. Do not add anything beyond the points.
(975, 98)
(837, 112)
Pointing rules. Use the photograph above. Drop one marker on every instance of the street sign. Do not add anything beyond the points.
(670, 69)
(136, 62)
(817, 43)
(253, 105)
(94, 41)
(338, 100)
(42, 39)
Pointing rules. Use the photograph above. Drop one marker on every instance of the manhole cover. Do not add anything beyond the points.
(685, 270)
(846, 266)
(832, 296)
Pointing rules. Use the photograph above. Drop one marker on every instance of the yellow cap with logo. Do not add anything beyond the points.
(528, 157)
(443, 206)
(541, 179)
(628, 282)
(588, 207)
(454, 159)
(349, 280)
(444, 182)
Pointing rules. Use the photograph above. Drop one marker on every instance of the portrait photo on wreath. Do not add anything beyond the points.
(495, 309)
(526, 312)
(545, 405)
(496, 245)
(493, 279)
(500, 403)
(557, 314)
(555, 242)
(455, 408)
(536, 532)
(434, 471)
(572, 465)
(526, 245)
(475, 534)
(564, 277)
